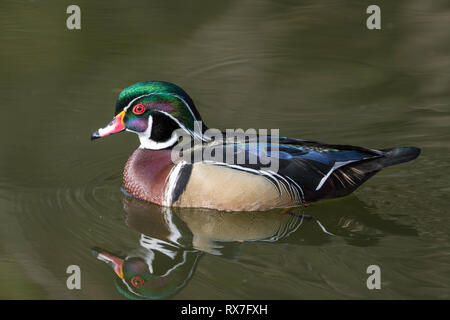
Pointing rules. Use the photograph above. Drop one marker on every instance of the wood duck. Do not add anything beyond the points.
(140, 277)
(163, 115)
(172, 240)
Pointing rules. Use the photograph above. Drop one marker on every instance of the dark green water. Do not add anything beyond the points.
(311, 69)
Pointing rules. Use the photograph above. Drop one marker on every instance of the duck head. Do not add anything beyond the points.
(137, 279)
(154, 110)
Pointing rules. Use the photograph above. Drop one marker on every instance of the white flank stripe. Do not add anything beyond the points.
(171, 183)
(335, 166)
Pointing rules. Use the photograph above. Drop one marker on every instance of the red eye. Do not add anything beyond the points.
(138, 109)
(137, 282)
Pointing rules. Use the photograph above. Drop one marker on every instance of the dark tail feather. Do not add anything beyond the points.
(347, 178)
(391, 156)
(399, 155)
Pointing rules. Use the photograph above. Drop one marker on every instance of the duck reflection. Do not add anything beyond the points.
(172, 240)
(139, 277)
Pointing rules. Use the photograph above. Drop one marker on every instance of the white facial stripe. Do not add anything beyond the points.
(192, 133)
(190, 110)
(147, 143)
(172, 94)
(144, 137)
(198, 129)
(131, 102)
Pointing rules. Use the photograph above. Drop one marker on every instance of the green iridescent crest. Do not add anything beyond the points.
(161, 96)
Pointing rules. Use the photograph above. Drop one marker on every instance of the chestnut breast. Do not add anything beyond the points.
(145, 174)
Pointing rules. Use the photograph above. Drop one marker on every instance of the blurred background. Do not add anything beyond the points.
(311, 69)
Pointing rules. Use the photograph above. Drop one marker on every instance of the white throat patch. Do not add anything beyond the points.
(147, 143)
